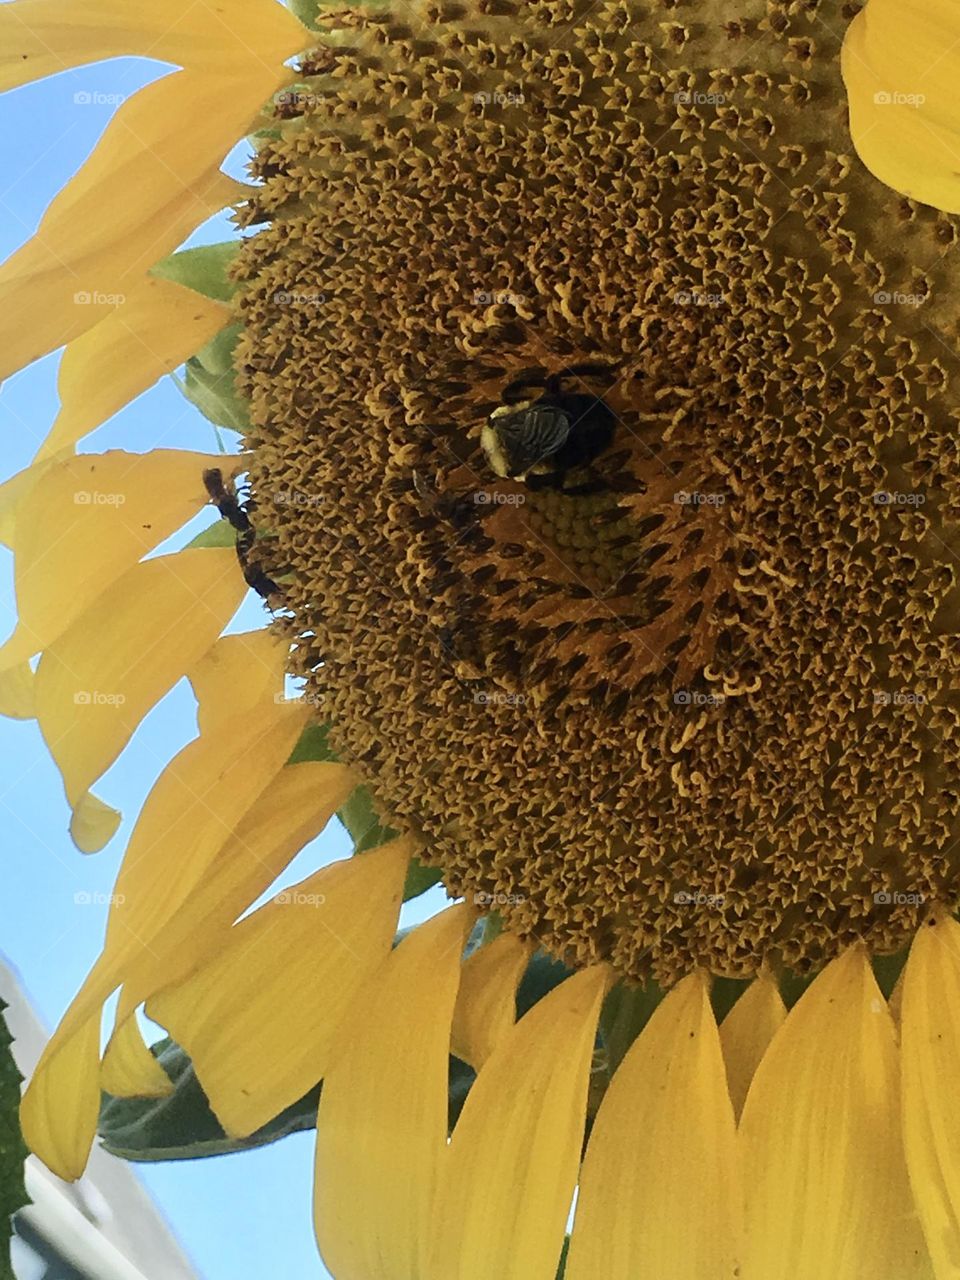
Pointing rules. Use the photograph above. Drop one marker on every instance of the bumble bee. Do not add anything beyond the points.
(237, 513)
(537, 441)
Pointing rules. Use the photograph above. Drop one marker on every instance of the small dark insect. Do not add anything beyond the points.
(225, 499)
(538, 441)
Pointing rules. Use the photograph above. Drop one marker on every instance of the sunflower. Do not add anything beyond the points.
(673, 714)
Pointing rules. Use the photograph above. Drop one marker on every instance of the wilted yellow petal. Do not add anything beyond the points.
(59, 1110)
(18, 692)
(746, 1032)
(39, 38)
(259, 1022)
(930, 1045)
(152, 178)
(659, 1191)
(294, 808)
(98, 680)
(382, 1127)
(93, 823)
(508, 1180)
(901, 63)
(154, 331)
(486, 1004)
(83, 523)
(824, 1173)
(237, 674)
(199, 798)
(129, 1069)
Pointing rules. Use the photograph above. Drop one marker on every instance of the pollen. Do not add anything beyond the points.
(698, 706)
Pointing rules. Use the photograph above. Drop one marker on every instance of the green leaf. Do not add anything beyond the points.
(215, 395)
(219, 534)
(359, 815)
(204, 270)
(216, 356)
(308, 11)
(183, 1126)
(420, 879)
(541, 975)
(13, 1152)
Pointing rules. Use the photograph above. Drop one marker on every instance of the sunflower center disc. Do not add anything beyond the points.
(694, 703)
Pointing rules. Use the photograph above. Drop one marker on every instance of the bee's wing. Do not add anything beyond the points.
(534, 435)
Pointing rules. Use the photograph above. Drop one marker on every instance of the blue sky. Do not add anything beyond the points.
(236, 1216)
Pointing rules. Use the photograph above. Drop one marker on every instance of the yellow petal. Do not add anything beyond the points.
(260, 1020)
(659, 1191)
(930, 1039)
(129, 1069)
(18, 692)
(486, 1004)
(825, 1179)
(59, 1110)
(83, 523)
(237, 674)
(294, 808)
(198, 799)
(382, 1127)
(98, 680)
(93, 823)
(154, 331)
(13, 492)
(40, 38)
(746, 1032)
(512, 1164)
(900, 63)
(156, 169)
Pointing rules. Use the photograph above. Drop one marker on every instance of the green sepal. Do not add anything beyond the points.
(420, 879)
(183, 1126)
(562, 1268)
(205, 270)
(313, 745)
(219, 534)
(626, 1011)
(13, 1151)
(359, 815)
(541, 975)
(210, 382)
